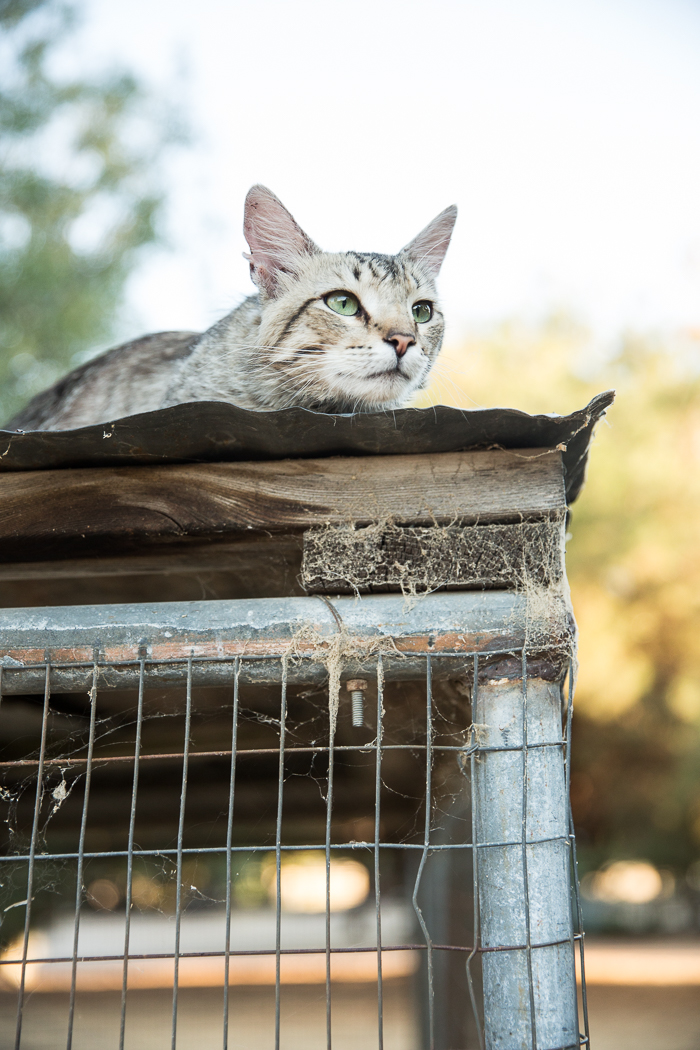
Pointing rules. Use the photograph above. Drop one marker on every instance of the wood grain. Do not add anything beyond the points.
(345, 560)
(250, 553)
(138, 504)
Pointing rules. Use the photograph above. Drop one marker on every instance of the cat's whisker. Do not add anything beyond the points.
(272, 346)
(297, 392)
(440, 393)
(443, 368)
(439, 373)
(440, 396)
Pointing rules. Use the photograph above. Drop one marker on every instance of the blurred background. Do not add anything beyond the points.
(569, 136)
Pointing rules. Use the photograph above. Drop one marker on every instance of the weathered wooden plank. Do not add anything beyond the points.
(256, 552)
(343, 560)
(141, 503)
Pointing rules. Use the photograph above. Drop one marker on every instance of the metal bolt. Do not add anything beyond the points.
(356, 687)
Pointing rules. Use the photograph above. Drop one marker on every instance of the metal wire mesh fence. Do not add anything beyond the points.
(163, 833)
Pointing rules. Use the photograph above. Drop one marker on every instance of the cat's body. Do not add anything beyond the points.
(330, 332)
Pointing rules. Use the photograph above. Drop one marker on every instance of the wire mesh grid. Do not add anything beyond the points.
(97, 805)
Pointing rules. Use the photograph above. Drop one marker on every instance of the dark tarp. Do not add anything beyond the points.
(207, 431)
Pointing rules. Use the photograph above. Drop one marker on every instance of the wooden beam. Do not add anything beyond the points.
(248, 552)
(345, 560)
(98, 510)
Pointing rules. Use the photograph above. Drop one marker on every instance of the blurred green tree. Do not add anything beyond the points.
(78, 201)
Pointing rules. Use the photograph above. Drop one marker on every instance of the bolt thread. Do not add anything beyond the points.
(358, 707)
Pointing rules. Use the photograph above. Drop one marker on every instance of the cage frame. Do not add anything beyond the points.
(371, 611)
(202, 487)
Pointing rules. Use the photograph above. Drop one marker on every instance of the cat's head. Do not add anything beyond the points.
(348, 331)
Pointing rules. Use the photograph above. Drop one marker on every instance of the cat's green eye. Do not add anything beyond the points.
(422, 312)
(344, 303)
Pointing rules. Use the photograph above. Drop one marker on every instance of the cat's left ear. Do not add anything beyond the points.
(277, 242)
(431, 244)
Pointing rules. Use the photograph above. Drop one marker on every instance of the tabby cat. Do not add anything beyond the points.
(333, 332)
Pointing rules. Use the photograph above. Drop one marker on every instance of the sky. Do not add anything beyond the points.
(567, 133)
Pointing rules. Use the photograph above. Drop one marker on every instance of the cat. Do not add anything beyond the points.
(332, 332)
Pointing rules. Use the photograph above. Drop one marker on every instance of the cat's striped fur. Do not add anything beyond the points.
(282, 347)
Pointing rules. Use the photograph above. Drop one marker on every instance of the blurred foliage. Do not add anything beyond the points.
(634, 568)
(77, 199)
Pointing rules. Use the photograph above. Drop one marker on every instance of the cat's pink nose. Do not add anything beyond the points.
(400, 341)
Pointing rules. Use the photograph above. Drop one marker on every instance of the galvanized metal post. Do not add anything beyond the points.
(522, 856)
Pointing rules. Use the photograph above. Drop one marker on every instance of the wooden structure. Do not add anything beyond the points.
(234, 550)
(251, 520)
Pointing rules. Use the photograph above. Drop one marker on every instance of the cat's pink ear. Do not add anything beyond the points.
(431, 244)
(277, 242)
